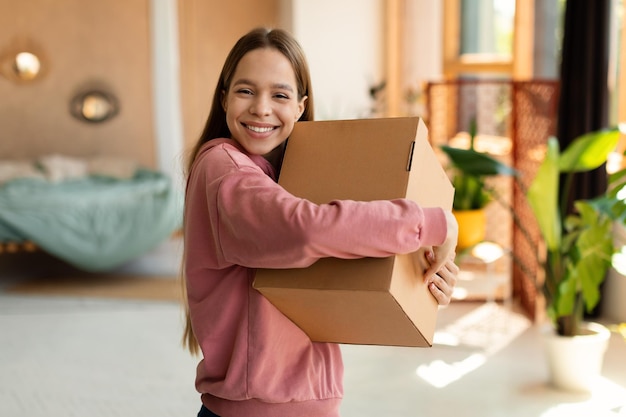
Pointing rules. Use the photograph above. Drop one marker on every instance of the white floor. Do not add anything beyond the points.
(107, 358)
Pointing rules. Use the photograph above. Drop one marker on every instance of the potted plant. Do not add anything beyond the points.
(579, 246)
(579, 249)
(470, 169)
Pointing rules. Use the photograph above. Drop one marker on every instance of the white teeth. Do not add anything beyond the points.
(260, 129)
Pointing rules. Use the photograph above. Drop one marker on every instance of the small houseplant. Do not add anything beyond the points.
(470, 170)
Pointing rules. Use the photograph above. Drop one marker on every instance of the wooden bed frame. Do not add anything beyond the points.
(15, 247)
(29, 246)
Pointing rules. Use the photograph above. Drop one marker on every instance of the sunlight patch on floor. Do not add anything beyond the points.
(486, 330)
(440, 374)
(607, 399)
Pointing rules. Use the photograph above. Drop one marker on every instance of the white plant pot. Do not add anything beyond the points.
(575, 363)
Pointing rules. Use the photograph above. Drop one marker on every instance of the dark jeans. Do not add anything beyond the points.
(205, 412)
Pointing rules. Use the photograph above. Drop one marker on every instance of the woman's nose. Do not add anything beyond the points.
(261, 106)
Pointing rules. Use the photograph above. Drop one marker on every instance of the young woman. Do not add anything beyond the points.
(237, 218)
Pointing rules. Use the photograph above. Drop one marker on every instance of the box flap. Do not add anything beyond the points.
(428, 183)
(337, 167)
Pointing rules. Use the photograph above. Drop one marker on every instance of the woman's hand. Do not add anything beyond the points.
(441, 285)
(439, 255)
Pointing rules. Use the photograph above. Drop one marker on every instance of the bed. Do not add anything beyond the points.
(95, 214)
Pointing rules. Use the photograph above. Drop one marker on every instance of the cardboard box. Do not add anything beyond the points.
(372, 301)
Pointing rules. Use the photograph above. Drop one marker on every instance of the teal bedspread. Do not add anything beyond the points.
(93, 223)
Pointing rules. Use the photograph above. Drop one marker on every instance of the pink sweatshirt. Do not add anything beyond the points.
(256, 361)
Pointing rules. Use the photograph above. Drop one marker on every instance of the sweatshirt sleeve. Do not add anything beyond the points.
(260, 225)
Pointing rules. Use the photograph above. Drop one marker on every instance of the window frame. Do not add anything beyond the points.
(519, 66)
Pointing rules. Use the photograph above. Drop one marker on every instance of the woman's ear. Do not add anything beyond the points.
(301, 107)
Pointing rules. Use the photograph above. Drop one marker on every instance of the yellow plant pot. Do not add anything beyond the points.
(472, 224)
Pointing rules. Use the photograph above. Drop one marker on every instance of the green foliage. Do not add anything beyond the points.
(473, 163)
(579, 245)
(470, 171)
(469, 192)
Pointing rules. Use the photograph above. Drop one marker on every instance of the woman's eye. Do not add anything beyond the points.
(244, 91)
(281, 96)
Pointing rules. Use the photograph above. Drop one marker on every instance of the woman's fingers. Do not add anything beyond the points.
(442, 284)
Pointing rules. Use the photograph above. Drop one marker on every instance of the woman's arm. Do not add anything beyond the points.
(262, 225)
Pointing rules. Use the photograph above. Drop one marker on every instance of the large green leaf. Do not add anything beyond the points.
(594, 248)
(543, 196)
(475, 163)
(589, 151)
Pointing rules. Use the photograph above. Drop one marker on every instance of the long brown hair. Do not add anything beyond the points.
(216, 126)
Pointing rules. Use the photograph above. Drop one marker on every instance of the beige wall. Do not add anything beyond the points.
(208, 29)
(344, 42)
(621, 84)
(107, 43)
(85, 44)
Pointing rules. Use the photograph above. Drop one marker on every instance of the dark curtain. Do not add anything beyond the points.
(584, 99)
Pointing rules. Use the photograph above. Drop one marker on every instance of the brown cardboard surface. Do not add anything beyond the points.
(379, 301)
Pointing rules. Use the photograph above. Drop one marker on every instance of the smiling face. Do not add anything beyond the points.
(262, 103)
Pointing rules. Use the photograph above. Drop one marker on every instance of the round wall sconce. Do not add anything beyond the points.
(22, 62)
(94, 106)
(27, 66)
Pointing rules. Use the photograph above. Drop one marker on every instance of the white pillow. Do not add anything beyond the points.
(10, 170)
(58, 168)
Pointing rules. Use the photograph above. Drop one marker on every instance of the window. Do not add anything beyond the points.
(488, 38)
(487, 28)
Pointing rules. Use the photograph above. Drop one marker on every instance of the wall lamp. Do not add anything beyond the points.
(21, 63)
(94, 105)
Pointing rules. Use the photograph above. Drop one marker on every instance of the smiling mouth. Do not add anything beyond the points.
(258, 129)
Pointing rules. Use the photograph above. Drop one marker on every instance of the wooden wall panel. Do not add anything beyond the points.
(85, 44)
(208, 30)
